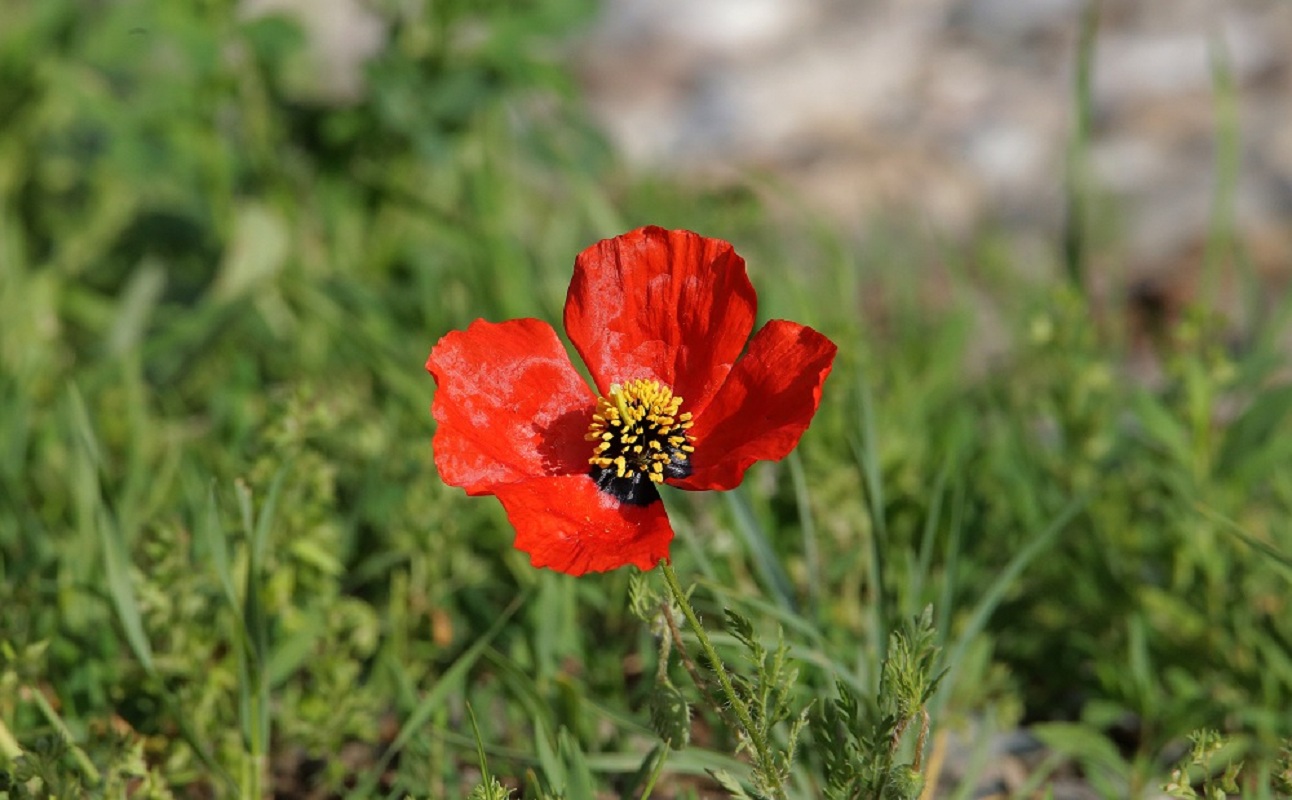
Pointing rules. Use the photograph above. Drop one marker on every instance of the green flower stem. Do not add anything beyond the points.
(761, 750)
(656, 772)
(675, 634)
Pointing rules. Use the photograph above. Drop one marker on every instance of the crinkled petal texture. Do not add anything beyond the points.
(673, 306)
(670, 306)
(509, 404)
(568, 524)
(764, 406)
(511, 413)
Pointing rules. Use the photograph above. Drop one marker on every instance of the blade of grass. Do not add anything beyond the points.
(1076, 222)
(1221, 241)
(699, 554)
(807, 525)
(522, 688)
(9, 749)
(264, 520)
(116, 568)
(996, 591)
(552, 766)
(437, 695)
(213, 539)
(117, 573)
(766, 562)
(924, 558)
(486, 777)
(135, 309)
(116, 555)
(253, 661)
(578, 774)
(1284, 560)
(866, 453)
(83, 763)
(692, 761)
(647, 773)
(951, 570)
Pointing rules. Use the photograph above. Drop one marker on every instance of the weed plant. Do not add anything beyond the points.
(227, 567)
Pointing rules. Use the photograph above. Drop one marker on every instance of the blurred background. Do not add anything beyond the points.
(1051, 238)
(947, 120)
(958, 114)
(955, 116)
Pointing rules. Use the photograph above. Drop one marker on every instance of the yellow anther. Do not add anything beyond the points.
(639, 428)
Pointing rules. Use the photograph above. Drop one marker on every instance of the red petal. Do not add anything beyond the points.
(510, 406)
(669, 305)
(571, 526)
(763, 408)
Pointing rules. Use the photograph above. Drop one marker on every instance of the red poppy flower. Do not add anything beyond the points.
(660, 318)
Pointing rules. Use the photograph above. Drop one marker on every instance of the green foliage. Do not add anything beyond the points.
(489, 788)
(863, 737)
(767, 687)
(493, 790)
(42, 772)
(228, 568)
(1156, 568)
(757, 700)
(669, 711)
(1206, 746)
(1214, 769)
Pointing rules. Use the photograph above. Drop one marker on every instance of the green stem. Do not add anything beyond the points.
(700, 683)
(656, 772)
(766, 764)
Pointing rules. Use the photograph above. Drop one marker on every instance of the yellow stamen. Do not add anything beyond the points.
(639, 428)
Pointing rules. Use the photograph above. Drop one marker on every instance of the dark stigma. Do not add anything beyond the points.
(636, 488)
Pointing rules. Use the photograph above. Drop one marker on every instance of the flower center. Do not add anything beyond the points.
(641, 440)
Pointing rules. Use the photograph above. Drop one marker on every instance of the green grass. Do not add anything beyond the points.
(227, 563)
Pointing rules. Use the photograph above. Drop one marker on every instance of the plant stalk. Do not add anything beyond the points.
(761, 750)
